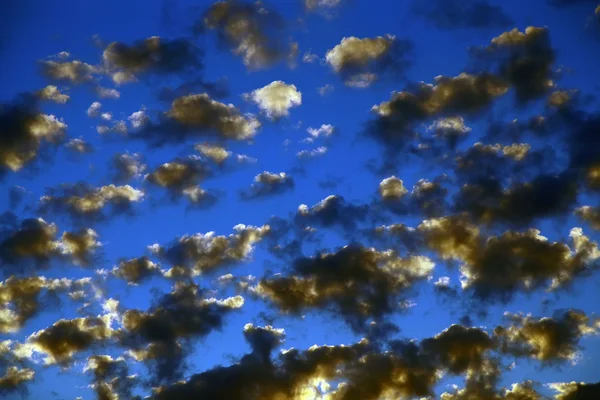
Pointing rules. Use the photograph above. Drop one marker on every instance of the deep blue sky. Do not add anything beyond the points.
(33, 31)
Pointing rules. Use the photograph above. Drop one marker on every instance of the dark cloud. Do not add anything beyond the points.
(396, 120)
(157, 335)
(22, 298)
(67, 337)
(34, 243)
(268, 184)
(15, 379)
(549, 340)
(524, 60)
(83, 202)
(110, 377)
(457, 14)
(263, 340)
(577, 391)
(331, 211)
(360, 284)
(195, 116)
(498, 267)
(25, 131)
(251, 31)
(181, 178)
(136, 270)
(151, 56)
(544, 196)
(202, 253)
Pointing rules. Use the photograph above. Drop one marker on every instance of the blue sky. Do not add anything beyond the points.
(286, 91)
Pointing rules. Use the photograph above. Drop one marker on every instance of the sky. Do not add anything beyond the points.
(300, 199)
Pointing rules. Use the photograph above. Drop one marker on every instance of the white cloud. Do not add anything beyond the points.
(276, 98)
(94, 109)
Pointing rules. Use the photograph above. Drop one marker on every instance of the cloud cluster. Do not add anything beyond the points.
(360, 61)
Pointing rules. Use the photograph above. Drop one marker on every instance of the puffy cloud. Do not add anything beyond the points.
(110, 377)
(330, 211)
(456, 14)
(21, 298)
(319, 151)
(263, 340)
(204, 252)
(153, 56)
(215, 153)
(590, 215)
(34, 241)
(392, 188)
(181, 178)
(127, 166)
(107, 93)
(276, 99)
(525, 61)
(360, 284)
(576, 390)
(83, 201)
(268, 184)
(79, 145)
(197, 115)
(138, 119)
(360, 61)
(52, 93)
(136, 270)
(14, 378)
(67, 337)
(325, 130)
(23, 132)
(94, 109)
(548, 340)
(156, 335)
(117, 127)
(74, 71)
(397, 118)
(251, 31)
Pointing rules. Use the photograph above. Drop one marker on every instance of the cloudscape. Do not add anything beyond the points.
(300, 199)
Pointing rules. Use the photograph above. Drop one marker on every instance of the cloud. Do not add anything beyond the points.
(251, 31)
(325, 89)
(564, 3)
(94, 109)
(360, 61)
(79, 145)
(396, 120)
(81, 201)
(110, 376)
(136, 270)
(22, 298)
(52, 93)
(74, 71)
(576, 390)
(34, 242)
(392, 188)
(154, 55)
(156, 336)
(107, 93)
(198, 115)
(456, 14)
(325, 130)
(205, 252)
(359, 284)
(276, 99)
(181, 177)
(67, 337)
(268, 184)
(316, 4)
(127, 166)
(330, 211)
(498, 267)
(215, 153)
(15, 378)
(319, 151)
(524, 60)
(548, 340)
(24, 131)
